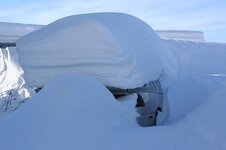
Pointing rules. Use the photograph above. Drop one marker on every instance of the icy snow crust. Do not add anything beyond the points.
(113, 47)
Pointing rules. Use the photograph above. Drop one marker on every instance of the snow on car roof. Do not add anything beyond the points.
(119, 49)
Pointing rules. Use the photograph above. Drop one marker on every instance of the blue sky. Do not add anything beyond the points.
(208, 16)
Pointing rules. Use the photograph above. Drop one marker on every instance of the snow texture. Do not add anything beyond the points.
(64, 116)
(201, 71)
(112, 47)
(12, 85)
(71, 112)
(75, 111)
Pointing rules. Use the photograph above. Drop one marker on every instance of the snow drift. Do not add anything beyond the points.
(199, 59)
(64, 116)
(118, 49)
(202, 70)
(12, 84)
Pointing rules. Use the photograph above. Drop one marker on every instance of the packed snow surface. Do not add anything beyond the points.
(113, 47)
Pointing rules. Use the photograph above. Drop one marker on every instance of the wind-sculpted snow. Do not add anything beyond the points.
(202, 68)
(12, 84)
(71, 112)
(199, 59)
(118, 49)
(77, 112)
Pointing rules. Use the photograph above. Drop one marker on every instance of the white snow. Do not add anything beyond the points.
(71, 112)
(76, 111)
(113, 47)
(10, 32)
(12, 84)
(201, 71)
(199, 59)
(181, 35)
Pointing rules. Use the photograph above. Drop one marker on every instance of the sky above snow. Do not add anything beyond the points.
(202, 15)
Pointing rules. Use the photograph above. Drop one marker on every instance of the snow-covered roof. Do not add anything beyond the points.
(10, 32)
(181, 35)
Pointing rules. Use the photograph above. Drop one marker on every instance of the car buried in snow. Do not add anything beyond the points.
(120, 50)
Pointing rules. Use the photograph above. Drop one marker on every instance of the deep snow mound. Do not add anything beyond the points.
(71, 111)
(202, 70)
(118, 49)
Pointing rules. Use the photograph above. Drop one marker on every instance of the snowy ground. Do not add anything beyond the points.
(64, 116)
(74, 111)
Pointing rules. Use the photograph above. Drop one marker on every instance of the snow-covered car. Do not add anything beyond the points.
(120, 50)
